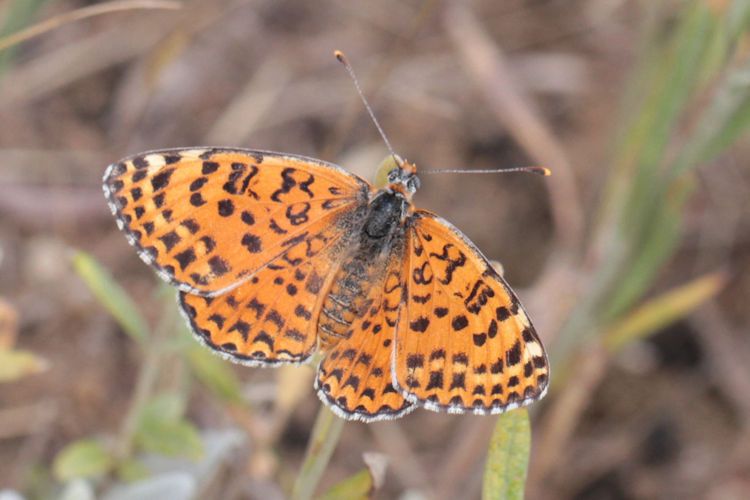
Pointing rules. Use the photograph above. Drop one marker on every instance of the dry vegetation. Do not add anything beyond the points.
(661, 414)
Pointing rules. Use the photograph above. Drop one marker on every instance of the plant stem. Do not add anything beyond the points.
(147, 376)
(325, 435)
(153, 358)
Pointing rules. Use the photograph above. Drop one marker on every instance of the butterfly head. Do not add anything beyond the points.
(397, 174)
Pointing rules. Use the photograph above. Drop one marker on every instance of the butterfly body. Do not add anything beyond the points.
(279, 256)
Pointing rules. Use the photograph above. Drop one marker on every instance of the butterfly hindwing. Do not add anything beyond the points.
(207, 218)
(271, 318)
(464, 343)
(354, 377)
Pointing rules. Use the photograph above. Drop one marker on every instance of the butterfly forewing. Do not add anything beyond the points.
(464, 343)
(207, 218)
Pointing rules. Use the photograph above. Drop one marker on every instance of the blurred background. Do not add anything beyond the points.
(632, 258)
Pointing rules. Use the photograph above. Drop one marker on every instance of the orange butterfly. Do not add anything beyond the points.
(278, 256)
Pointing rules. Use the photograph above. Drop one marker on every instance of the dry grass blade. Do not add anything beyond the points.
(77, 15)
(663, 310)
(74, 61)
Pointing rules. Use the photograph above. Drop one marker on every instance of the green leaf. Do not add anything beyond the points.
(724, 120)
(356, 487)
(508, 457)
(172, 438)
(168, 406)
(112, 296)
(661, 234)
(17, 363)
(363, 484)
(131, 470)
(663, 310)
(84, 458)
(676, 74)
(161, 428)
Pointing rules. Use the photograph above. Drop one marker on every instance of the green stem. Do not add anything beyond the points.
(145, 383)
(325, 435)
(153, 358)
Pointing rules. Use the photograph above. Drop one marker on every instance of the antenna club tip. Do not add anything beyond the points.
(538, 170)
(543, 171)
(340, 56)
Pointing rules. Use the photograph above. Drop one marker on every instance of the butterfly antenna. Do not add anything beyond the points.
(534, 170)
(343, 60)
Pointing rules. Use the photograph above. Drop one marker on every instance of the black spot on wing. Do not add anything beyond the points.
(459, 322)
(161, 180)
(198, 183)
(436, 380)
(226, 208)
(209, 167)
(513, 355)
(415, 361)
(419, 324)
(139, 162)
(191, 225)
(502, 313)
(219, 266)
(139, 175)
(185, 258)
(159, 200)
(265, 338)
(252, 243)
(196, 199)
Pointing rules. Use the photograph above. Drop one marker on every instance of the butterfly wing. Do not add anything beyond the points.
(465, 343)
(207, 219)
(272, 317)
(354, 377)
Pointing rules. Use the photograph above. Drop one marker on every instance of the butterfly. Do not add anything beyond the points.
(277, 257)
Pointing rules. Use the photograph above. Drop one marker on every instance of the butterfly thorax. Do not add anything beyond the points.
(376, 241)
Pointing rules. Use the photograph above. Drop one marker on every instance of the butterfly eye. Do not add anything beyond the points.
(413, 183)
(393, 175)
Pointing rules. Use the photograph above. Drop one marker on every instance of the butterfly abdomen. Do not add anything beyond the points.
(380, 235)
